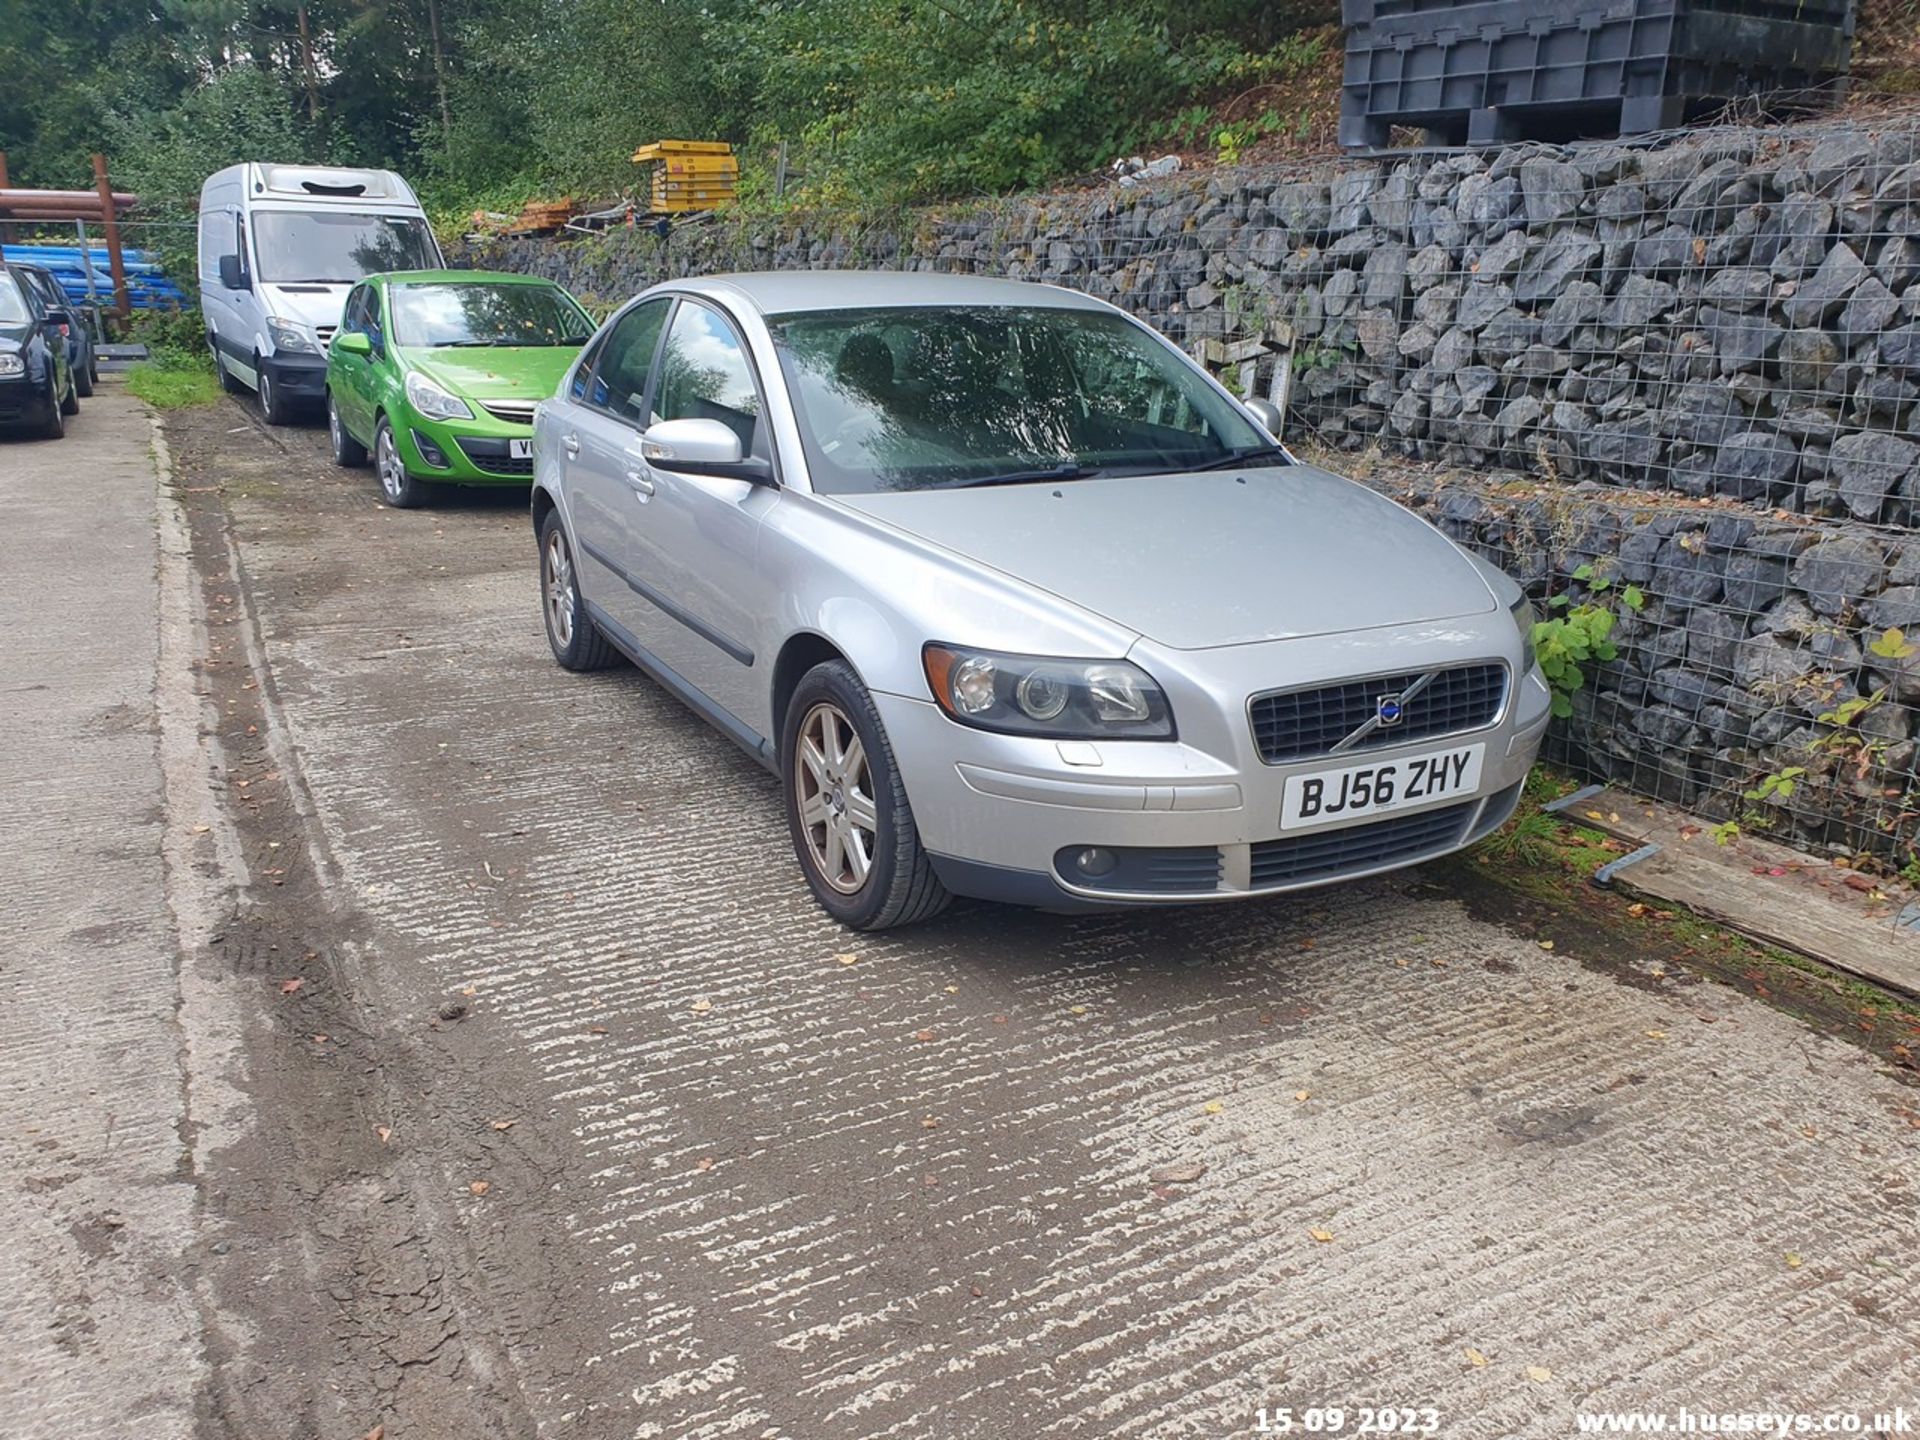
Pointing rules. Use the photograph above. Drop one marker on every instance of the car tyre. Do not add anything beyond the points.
(54, 426)
(576, 641)
(397, 487)
(847, 809)
(70, 402)
(83, 379)
(348, 453)
(274, 406)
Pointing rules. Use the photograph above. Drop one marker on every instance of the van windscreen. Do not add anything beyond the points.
(293, 247)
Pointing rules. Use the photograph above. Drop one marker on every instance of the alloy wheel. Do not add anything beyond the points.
(333, 426)
(393, 476)
(559, 587)
(834, 788)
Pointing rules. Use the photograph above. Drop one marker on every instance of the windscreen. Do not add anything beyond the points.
(294, 247)
(922, 397)
(483, 314)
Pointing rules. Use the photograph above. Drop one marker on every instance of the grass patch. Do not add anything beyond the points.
(174, 381)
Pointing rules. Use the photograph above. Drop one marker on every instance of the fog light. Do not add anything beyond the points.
(429, 452)
(1093, 862)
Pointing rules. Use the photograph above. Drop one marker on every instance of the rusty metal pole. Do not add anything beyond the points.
(6, 231)
(110, 218)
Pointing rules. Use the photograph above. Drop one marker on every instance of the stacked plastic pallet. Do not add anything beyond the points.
(690, 174)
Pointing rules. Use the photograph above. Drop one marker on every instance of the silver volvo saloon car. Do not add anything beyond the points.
(1017, 601)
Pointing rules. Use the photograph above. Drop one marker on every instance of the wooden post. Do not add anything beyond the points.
(110, 218)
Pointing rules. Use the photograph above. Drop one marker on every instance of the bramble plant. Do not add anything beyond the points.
(1579, 636)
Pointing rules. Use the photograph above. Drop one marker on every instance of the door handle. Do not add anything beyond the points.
(641, 482)
(570, 444)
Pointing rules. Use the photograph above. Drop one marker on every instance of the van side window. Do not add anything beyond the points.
(211, 248)
(240, 244)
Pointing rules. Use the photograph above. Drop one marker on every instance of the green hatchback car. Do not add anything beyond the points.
(435, 373)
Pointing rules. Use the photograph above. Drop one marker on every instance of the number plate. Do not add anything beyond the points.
(1327, 797)
(520, 449)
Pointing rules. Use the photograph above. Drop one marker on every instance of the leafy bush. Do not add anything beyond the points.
(1578, 637)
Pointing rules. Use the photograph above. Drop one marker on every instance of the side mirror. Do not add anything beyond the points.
(62, 318)
(1268, 414)
(231, 275)
(701, 447)
(352, 342)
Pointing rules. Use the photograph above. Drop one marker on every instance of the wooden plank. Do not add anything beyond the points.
(1838, 917)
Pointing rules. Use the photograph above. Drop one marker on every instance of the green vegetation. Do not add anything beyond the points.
(486, 102)
(175, 383)
(1578, 636)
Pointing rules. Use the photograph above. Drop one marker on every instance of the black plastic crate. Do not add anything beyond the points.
(1503, 70)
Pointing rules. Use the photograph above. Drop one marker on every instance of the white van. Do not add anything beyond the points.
(280, 246)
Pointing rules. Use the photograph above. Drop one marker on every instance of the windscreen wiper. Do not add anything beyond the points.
(1071, 470)
(1252, 454)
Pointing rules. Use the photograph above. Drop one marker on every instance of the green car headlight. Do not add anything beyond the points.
(433, 401)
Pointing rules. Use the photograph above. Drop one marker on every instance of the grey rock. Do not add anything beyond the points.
(1750, 583)
(1550, 269)
(1453, 352)
(1666, 251)
(1900, 350)
(1835, 572)
(1641, 300)
(1550, 190)
(1712, 637)
(1741, 287)
(1897, 607)
(1623, 451)
(1899, 262)
(1740, 341)
(1703, 413)
(1794, 239)
(1819, 297)
(1428, 268)
(1869, 311)
(1384, 276)
(1766, 666)
(1868, 467)
(1755, 465)
(1348, 199)
(1341, 293)
(1436, 305)
(1481, 302)
(1807, 358)
(1577, 305)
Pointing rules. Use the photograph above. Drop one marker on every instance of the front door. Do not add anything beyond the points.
(692, 537)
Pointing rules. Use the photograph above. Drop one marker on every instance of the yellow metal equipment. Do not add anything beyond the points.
(690, 174)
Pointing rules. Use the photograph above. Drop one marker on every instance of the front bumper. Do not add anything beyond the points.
(1198, 819)
(298, 377)
(23, 398)
(466, 452)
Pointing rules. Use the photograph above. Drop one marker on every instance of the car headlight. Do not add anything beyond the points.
(1526, 616)
(12, 365)
(1039, 695)
(434, 401)
(290, 338)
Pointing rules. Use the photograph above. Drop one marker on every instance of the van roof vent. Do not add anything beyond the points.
(330, 182)
(315, 187)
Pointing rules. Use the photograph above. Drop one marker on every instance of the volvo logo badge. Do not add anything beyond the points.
(1389, 709)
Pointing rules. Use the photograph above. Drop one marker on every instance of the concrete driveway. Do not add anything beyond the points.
(581, 1120)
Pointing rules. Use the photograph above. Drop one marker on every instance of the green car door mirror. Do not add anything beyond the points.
(352, 342)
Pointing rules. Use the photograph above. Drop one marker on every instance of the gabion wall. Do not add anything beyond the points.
(1693, 365)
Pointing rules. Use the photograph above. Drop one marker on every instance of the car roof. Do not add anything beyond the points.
(457, 277)
(788, 292)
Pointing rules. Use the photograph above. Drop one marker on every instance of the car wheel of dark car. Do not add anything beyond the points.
(83, 379)
(70, 402)
(847, 809)
(397, 487)
(54, 425)
(348, 453)
(576, 641)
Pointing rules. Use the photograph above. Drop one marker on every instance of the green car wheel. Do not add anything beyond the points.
(400, 490)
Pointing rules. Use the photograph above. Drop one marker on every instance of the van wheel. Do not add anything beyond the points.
(400, 490)
(348, 453)
(229, 382)
(273, 405)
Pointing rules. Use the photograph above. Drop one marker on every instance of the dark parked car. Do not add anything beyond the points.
(36, 382)
(80, 356)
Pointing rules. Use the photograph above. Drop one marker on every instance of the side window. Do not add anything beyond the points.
(620, 374)
(370, 319)
(704, 375)
(583, 373)
(240, 244)
(351, 322)
(211, 248)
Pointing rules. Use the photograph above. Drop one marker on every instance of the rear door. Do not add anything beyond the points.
(598, 422)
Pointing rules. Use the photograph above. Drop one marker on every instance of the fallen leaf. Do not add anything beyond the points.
(287, 987)
(1539, 1374)
(999, 1019)
(953, 989)
(848, 959)
(319, 1039)
(1810, 1132)
(1794, 1262)
(1546, 944)
(1303, 1094)
(1323, 1236)
(596, 1029)
(1595, 815)
(1656, 1034)
(1212, 1107)
(923, 1036)
(705, 1162)
(385, 1132)
(1474, 1357)
(505, 1124)
(977, 1292)
(929, 1123)
(378, 1432)
(1178, 1174)
(1079, 1009)
(201, 829)
(1636, 910)
(702, 1006)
